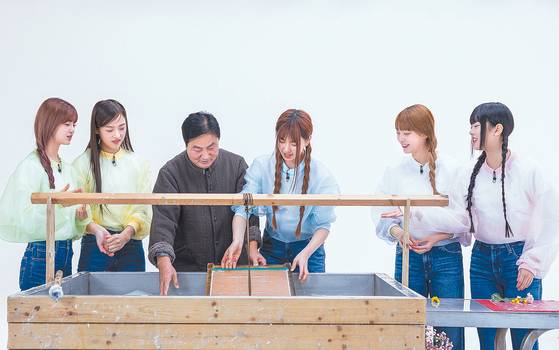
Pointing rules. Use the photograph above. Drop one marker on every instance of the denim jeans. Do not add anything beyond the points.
(33, 264)
(130, 258)
(277, 253)
(493, 270)
(439, 272)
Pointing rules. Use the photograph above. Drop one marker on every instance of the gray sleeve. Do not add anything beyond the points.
(254, 221)
(165, 220)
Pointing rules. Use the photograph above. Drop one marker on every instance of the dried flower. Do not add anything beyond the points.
(436, 341)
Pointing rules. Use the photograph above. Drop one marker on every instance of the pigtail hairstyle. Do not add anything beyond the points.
(471, 186)
(295, 124)
(486, 114)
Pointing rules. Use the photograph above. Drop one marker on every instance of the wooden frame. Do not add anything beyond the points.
(236, 199)
(64, 198)
(207, 322)
(124, 322)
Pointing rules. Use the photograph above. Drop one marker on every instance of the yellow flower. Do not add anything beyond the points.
(435, 301)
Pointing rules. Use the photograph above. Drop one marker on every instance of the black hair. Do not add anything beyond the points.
(199, 123)
(103, 113)
(493, 113)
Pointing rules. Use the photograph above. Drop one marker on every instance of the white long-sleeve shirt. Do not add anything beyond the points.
(532, 211)
(406, 178)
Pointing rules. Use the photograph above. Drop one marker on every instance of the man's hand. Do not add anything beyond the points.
(167, 273)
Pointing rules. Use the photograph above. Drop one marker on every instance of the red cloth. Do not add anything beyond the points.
(507, 306)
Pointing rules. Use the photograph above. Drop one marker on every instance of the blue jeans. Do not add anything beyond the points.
(130, 258)
(277, 253)
(33, 264)
(439, 272)
(493, 270)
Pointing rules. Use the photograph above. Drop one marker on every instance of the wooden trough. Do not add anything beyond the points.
(116, 310)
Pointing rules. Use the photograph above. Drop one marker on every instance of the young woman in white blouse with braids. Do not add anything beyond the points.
(513, 211)
(436, 255)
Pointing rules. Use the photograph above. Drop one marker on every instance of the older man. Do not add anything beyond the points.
(187, 238)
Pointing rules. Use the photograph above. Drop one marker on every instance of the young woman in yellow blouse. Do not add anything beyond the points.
(109, 164)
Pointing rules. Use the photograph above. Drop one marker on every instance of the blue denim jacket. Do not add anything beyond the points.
(260, 180)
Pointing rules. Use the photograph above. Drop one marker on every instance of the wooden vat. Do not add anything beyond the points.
(124, 311)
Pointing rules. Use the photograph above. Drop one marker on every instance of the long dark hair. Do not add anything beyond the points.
(295, 124)
(103, 113)
(491, 113)
(419, 119)
(52, 113)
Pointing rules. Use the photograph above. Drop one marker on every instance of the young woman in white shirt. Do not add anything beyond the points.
(436, 256)
(512, 210)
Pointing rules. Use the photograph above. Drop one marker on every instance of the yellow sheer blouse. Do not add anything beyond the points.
(122, 172)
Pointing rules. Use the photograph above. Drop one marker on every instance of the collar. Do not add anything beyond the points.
(510, 158)
(198, 170)
(286, 170)
(417, 166)
(107, 155)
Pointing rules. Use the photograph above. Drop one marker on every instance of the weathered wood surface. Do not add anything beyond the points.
(217, 336)
(182, 309)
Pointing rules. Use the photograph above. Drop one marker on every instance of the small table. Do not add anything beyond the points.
(470, 313)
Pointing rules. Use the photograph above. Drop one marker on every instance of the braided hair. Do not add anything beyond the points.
(52, 113)
(295, 124)
(486, 114)
(419, 119)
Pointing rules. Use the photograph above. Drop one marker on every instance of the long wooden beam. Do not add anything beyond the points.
(236, 199)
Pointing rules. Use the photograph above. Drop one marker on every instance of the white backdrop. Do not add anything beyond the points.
(353, 65)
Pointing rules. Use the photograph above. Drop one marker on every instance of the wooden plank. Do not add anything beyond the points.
(196, 309)
(235, 199)
(229, 282)
(49, 271)
(266, 281)
(219, 336)
(406, 247)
